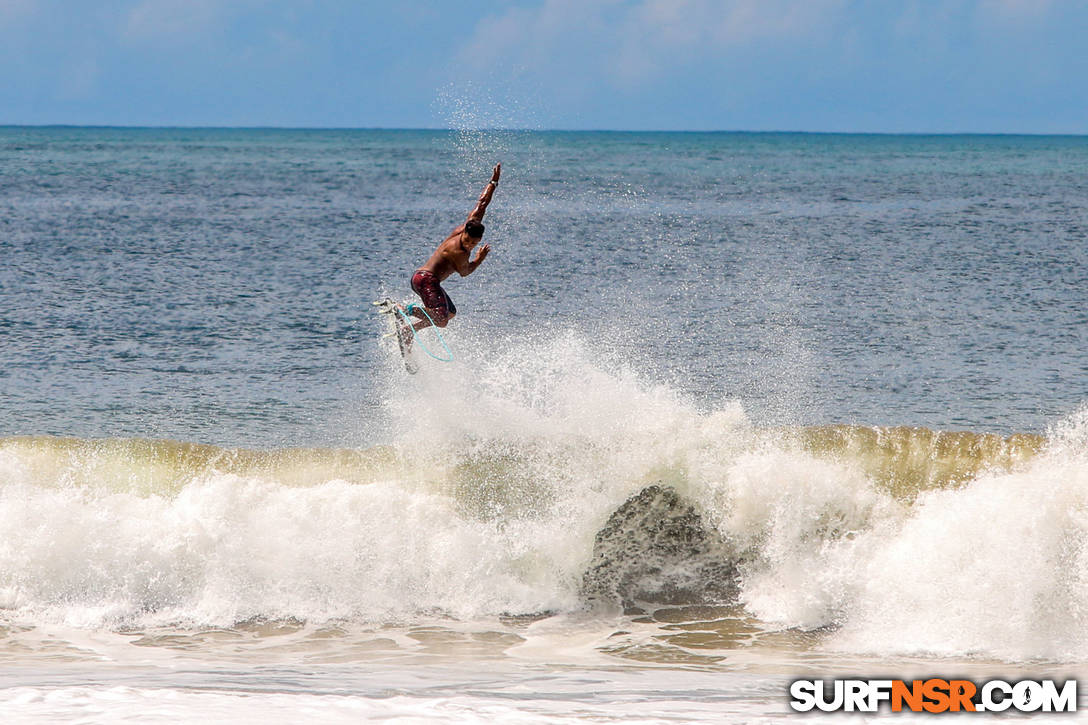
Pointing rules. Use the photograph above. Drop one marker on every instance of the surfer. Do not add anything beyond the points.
(451, 256)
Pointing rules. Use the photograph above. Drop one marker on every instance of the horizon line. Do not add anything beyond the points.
(498, 129)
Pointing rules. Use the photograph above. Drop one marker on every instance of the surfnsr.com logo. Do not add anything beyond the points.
(933, 695)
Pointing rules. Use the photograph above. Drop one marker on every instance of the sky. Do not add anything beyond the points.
(892, 66)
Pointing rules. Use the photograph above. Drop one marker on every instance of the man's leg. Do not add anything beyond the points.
(417, 311)
(438, 308)
(438, 317)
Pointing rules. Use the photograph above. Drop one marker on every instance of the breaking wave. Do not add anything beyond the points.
(559, 483)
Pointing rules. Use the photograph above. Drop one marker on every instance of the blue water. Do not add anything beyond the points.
(655, 307)
(214, 285)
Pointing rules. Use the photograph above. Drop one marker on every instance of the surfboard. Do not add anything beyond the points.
(401, 331)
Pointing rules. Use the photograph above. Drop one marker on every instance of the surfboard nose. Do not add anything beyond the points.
(385, 306)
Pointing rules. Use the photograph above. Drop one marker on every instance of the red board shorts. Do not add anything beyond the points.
(438, 303)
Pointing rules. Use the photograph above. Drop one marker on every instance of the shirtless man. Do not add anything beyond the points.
(451, 256)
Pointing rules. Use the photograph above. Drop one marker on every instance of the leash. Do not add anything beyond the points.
(415, 336)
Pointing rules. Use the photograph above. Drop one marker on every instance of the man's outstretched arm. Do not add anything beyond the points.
(477, 213)
(464, 267)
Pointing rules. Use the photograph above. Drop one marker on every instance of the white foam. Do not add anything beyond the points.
(428, 696)
(998, 567)
(227, 549)
(509, 462)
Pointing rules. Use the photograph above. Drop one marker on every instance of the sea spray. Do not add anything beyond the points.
(489, 497)
(226, 550)
(999, 566)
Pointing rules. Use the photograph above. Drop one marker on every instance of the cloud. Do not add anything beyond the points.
(1015, 7)
(169, 20)
(12, 11)
(533, 35)
(660, 34)
(629, 43)
(1020, 14)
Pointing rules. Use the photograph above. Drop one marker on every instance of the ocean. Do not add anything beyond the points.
(725, 410)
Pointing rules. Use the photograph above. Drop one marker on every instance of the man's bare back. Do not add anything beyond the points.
(451, 256)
